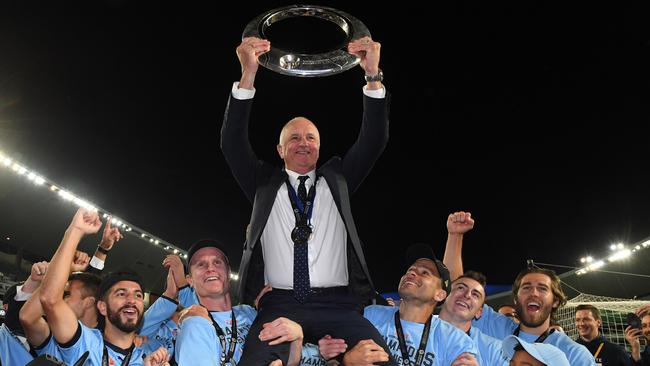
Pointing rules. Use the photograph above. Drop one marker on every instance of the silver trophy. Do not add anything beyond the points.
(290, 63)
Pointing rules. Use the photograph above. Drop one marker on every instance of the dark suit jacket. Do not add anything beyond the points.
(261, 180)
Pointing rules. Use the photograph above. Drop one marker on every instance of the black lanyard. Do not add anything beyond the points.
(402, 341)
(542, 337)
(126, 360)
(227, 356)
(302, 210)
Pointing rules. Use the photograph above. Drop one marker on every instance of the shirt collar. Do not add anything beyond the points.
(293, 178)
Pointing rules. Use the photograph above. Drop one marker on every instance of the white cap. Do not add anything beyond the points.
(544, 353)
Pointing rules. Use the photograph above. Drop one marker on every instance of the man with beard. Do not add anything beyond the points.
(537, 295)
(464, 303)
(120, 302)
(632, 336)
(588, 323)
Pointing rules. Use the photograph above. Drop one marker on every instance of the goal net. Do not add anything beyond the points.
(613, 312)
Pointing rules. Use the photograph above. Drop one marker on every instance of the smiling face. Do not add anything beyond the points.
(209, 273)
(587, 325)
(535, 300)
(645, 326)
(465, 302)
(422, 283)
(123, 306)
(299, 145)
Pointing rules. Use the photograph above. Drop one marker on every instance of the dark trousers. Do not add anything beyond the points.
(335, 314)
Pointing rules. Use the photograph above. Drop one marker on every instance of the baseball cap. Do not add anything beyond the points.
(420, 250)
(206, 243)
(544, 353)
(124, 274)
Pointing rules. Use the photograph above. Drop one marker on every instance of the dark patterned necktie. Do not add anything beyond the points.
(300, 258)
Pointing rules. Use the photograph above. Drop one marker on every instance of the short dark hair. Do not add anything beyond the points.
(90, 283)
(476, 276)
(594, 310)
(115, 277)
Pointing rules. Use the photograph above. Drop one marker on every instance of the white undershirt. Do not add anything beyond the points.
(327, 248)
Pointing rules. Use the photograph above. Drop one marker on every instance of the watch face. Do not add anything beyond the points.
(378, 77)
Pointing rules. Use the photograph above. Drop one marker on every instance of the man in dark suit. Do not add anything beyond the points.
(302, 240)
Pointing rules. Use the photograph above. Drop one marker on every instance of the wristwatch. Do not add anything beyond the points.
(378, 77)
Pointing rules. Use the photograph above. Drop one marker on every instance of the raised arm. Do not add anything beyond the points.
(458, 223)
(248, 53)
(110, 236)
(31, 314)
(62, 320)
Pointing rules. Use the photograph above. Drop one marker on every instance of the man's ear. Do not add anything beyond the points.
(440, 295)
(89, 302)
(188, 277)
(280, 151)
(101, 306)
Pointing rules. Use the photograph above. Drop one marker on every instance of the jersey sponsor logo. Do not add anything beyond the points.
(393, 346)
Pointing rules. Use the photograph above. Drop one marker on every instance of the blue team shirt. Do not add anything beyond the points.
(187, 297)
(490, 349)
(445, 343)
(12, 351)
(157, 326)
(91, 339)
(198, 344)
(500, 326)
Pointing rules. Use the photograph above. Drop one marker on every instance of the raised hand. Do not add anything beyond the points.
(460, 222)
(280, 330)
(86, 221)
(248, 52)
(171, 291)
(174, 262)
(331, 347)
(368, 51)
(110, 236)
(79, 262)
(38, 271)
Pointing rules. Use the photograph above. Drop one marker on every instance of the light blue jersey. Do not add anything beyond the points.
(445, 343)
(489, 349)
(198, 344)
(49, 347)
(90, 339)
(157, 326)
(12, 351)
(187, 297)
(500, 326)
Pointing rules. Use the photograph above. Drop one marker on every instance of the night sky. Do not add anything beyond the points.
(533, 117)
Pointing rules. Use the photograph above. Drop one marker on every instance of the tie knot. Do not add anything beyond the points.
(303, 178)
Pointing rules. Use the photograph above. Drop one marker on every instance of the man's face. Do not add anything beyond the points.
(209, 272)
(535, 300)
(73, 296)
(299, 145)
(522, 358)
(587, 325)
(124, 306)
(510, 312)
(645, 326)
(421, 282)
(465, 302)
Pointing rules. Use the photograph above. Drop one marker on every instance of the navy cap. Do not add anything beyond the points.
(206, 243)
(420, 250)
(112, 278)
